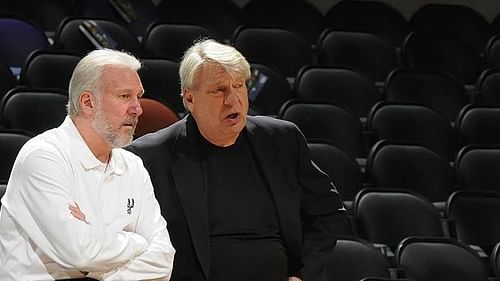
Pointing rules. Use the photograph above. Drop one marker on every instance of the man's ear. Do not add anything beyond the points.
(87, 102)
(188, 99)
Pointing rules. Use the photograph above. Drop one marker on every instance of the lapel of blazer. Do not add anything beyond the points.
(190, 185)
(263, 148)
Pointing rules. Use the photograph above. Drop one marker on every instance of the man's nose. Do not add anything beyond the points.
(136, 107)
(231, 96)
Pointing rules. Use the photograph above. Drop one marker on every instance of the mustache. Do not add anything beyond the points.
(132, 120)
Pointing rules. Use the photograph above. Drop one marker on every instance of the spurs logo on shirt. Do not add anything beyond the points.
(130, 205)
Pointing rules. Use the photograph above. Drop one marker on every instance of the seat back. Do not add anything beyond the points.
(33, 110)
(155, 116)
(343, 86)
(477, 167)
(444, 52)
(374, 17)
(387, 216)
(353, 259)
(439, 259)
(475, 216)
(69, 36)
(430, 87)
(160, 79)
(220, 17)
(269, 90)
(457, 20)
(170, 41)
(478, 124)
(136, 15)
(410, 166)
(263, 12)
(488, 86)
(364, 52)
(329, 122)
(11, 142)
(280, 49)
(19, 38)
(397, 121)
(49, 69)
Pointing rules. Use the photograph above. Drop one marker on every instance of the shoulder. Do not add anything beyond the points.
(273, 126)
(161, 137)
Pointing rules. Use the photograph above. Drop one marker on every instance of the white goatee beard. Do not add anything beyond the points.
(112, 135)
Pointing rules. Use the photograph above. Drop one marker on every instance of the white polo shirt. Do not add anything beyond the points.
(125, 237)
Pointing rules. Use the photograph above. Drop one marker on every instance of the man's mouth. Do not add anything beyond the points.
(232, 116)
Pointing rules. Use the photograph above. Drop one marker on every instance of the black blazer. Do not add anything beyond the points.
(308, 205)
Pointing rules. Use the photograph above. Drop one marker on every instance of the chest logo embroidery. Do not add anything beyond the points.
(130, 205)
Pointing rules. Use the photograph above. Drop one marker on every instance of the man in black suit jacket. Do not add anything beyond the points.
(241, 196)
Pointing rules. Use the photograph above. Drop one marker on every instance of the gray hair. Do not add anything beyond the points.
(211, 51)
(88, 73)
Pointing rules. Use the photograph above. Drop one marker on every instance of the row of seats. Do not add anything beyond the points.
(410, 165)
(267, 45)
(367, 16)
(418, 258)
(428, 44)
(345, 86)
(384, 219)
(396, 121)
(385, 223)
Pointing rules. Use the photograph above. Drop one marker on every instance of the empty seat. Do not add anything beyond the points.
(33, 110)
(155, 116)
(478, 124)
(11, 142)
(475, 216)
(457, 20)
(343, 170)
(268, 90)
(488, 86)
(137, 15)
(221, 17)
(387, 216)
(444, 52)
(343, 86)
(353, 259)
(495, 259)
(430, 87)
(7, 80)
(160, 79)
(364, 52)
(477, 167)
(49, 69)
(329, 122)
(439, 259)
(410, 166)
(19, 38)
(397, 121)
(374, 17)
(492, 51)
(280, 49)
(169, 40)
(299, 16)
(104, 33)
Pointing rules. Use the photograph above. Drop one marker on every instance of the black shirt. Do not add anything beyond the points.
(245, 243)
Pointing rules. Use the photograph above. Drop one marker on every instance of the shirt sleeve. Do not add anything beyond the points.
(322, 212)
(157, 261)
(38, 198)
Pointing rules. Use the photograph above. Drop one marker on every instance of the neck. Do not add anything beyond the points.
(96, 143)
(220, 141)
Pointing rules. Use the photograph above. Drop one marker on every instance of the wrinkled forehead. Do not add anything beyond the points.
(214, 73)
